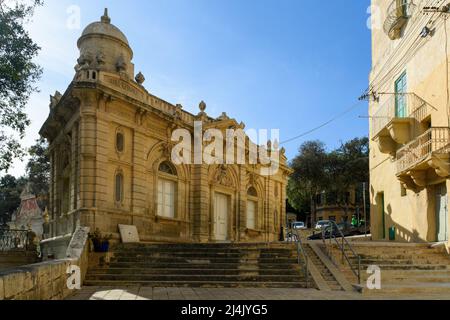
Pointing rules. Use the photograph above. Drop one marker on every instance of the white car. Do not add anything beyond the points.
(322, 224)
(298, 225)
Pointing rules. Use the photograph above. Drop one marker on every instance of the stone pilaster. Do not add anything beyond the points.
(139, 191)
(201, 203)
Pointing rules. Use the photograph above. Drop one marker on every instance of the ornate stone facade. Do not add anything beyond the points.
(110, 146)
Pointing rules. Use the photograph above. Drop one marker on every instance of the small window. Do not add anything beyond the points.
(166, 167)
(119, 188)
(252, 192)
(120, 141)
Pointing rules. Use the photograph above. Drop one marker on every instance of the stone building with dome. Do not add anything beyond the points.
(110, 146)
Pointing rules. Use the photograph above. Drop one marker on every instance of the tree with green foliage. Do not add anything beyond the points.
(18, 75)
(335, 173)
(348, 167)
(38, 167)
(309, 177)
(10, 190)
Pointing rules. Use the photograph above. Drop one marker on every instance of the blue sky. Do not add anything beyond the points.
(286, 64)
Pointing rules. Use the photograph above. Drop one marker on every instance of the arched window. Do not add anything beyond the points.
(166, 167)
(252, 192)
(120, 142)
(252, 208)
(118, 194)
(167, 185)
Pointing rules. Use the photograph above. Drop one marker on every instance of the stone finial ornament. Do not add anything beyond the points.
(140, 79)
(105, 18)
(54, 100)
(121, 65)
(202, 106)
(100, 58)
(224, 116)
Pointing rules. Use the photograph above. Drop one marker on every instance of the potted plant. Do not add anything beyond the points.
(105, 243)
(100, 242)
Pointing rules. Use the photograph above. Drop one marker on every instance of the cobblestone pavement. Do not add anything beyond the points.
(237, 294)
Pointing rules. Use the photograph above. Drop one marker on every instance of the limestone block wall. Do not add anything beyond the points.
(42, 281)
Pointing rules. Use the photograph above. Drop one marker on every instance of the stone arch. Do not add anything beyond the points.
(160, 153)
(254, 181)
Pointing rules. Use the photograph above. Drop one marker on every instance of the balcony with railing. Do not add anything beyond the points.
(398, 13)
(394, 122)
(427, 152)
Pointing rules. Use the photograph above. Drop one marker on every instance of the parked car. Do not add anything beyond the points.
(330, 230)
(299, 225)
(322, 224)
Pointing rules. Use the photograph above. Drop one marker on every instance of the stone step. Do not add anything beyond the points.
(206, 250)
(212, 265)
(204, 271)
(197, 246)
(209, 260)
(207, 278)
(413, 288)
(423, 277)
(423, 267)
(395, 261)
(387, 253)
(205, 255)
(268, 266)
(204, 284)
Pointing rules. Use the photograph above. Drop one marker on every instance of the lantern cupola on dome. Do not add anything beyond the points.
(104, 47)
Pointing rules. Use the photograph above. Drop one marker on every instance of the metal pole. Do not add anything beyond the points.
(365, 213)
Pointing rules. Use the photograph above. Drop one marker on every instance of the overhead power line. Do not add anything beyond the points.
(340, 115)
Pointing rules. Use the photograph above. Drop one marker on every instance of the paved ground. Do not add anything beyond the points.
(238, 294)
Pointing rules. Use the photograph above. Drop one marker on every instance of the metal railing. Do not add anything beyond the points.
(14, 240)
(294, 235)
(398, 13)
(399, 105)
(332, 230)
(433, 140)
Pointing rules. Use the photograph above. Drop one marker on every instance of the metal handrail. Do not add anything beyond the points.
(355, 269)
(300, 252)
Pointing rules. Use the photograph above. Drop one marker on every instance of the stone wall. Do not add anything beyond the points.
(47, 280)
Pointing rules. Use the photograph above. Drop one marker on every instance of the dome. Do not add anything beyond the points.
(104, 28)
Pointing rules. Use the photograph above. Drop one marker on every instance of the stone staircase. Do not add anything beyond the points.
(200, 265)
(405, 268)
(326, 274)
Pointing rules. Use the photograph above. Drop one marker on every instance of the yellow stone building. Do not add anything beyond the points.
(328, 208)
(110, 146)
(410, 124)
